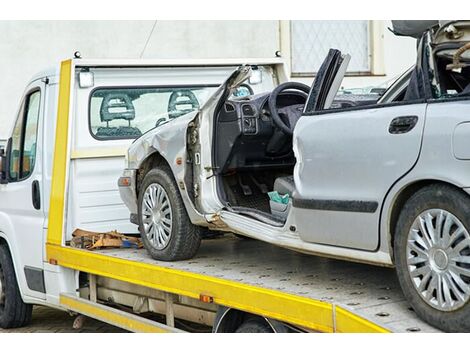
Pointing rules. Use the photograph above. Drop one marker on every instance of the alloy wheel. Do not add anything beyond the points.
(156, 216)
(438, 259)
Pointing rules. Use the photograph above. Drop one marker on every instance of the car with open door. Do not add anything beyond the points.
(385, 183)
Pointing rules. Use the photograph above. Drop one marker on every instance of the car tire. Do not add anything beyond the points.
(432, 246)
(14, 313)
(255, 325)
(173, 237)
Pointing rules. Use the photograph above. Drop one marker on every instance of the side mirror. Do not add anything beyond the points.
(4, 163)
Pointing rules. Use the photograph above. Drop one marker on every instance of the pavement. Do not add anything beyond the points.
(48, 320)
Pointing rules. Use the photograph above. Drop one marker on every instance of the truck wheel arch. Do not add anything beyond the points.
(19, 278)
(227, 320)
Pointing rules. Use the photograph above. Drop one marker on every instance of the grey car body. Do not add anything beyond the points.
(352, 171)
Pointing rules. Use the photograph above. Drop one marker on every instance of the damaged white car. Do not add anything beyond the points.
(385, 183)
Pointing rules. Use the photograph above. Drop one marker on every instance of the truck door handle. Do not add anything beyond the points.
(36, 193)
(402, 124)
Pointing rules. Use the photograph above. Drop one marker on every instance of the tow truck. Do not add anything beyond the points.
(59, 173)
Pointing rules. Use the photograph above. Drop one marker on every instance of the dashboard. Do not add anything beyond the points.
(244, 131)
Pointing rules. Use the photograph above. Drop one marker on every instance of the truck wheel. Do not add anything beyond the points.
(432, 256)
(166, 230)
(255, 325)
(14, 313)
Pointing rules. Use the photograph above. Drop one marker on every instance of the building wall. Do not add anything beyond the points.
(27, 47)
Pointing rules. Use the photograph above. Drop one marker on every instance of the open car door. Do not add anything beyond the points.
(347, 161)
(327, 82)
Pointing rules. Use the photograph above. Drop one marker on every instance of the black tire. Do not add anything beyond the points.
(14, 313)
(455, 202)
(185, 237)
(255, 326)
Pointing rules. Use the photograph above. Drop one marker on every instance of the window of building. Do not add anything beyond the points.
(311, 40)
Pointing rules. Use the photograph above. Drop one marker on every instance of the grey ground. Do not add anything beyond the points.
(48, 320)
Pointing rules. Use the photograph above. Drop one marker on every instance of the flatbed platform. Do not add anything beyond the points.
(362, 293)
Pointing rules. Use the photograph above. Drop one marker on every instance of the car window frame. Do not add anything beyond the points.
(116, 138)
(422, 63)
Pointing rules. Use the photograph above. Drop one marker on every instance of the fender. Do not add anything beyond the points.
(15, 257)
(392, 199)
(18, 265)
(169, 141)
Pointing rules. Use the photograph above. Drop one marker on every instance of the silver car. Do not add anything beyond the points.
(385, 182)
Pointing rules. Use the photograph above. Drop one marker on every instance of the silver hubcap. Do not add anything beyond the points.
(156, 216)
(438, 258)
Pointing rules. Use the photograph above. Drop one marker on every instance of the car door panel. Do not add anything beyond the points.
(346, 163)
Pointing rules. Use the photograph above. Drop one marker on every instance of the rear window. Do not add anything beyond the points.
(127, 113)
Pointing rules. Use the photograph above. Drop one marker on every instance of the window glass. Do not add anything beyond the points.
(127, 113)
(24, 138)
(30, 134)
(15, 150)
(311, 40)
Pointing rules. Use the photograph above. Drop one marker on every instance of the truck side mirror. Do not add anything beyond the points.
(4, 163)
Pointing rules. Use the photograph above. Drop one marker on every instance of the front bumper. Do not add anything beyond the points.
(127, 189)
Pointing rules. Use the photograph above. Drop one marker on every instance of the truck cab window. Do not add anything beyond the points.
(127, 113)
(23, 146)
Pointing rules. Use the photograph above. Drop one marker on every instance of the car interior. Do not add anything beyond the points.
(117, 106)
(253, 149)
(453, 72)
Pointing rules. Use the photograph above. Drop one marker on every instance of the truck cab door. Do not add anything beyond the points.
(347, 160)
(21, 209)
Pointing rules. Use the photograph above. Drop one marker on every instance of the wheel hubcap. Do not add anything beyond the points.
(156, 216)
(438, 258)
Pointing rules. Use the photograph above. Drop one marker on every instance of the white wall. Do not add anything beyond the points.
(399, 54)
(27, 47)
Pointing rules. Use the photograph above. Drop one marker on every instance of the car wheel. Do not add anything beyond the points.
(166, 230)
(14, 313)
(432, 256)
(255, 325)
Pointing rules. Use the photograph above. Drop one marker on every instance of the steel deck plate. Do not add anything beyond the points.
(368, 291)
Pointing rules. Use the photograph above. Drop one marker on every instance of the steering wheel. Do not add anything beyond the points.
(272, 104)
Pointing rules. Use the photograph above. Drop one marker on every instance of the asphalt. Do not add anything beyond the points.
(49, 320)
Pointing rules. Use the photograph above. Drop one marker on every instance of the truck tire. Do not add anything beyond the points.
(166, 230)
(14, 313)
(255, 325)
(432, 256)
